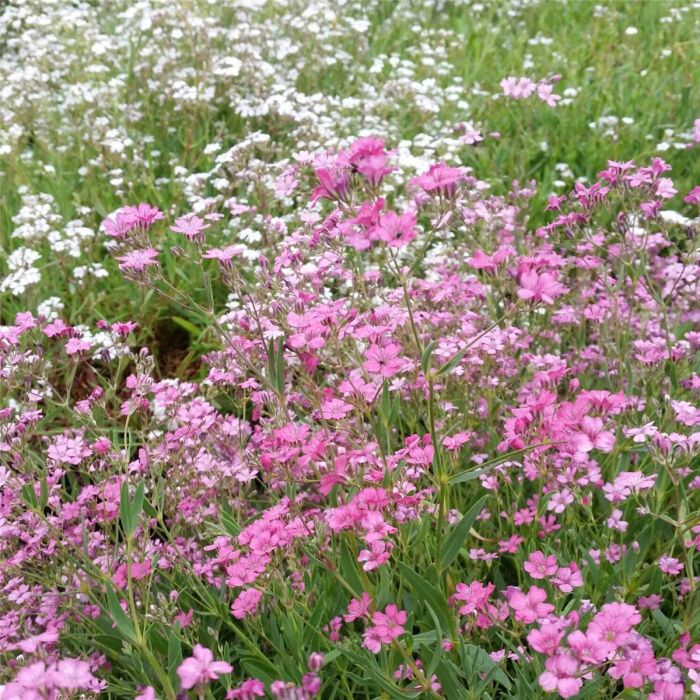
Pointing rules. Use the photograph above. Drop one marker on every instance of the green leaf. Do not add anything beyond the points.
(451, 364)
(683, 108)
(260, 668)
(478, 662)
(174, 657)
(488, 466)
(137, 505)
(455, 540)
(369, 668)
(187, 325)
(130, 511)
(431, 595)
(229, 522)
(427, 355)
(125, 509)
(29, 496)
(348, 566)
(119, 617)
(43, 493)
(279, 368)
(448, 680)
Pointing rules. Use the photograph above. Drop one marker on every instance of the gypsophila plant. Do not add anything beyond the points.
(322, 375)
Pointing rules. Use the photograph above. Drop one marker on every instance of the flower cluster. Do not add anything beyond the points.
(311, 402)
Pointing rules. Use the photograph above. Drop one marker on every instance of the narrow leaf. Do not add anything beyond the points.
(455, 540)
(120, 618)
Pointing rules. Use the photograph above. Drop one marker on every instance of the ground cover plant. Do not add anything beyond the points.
(349, 350)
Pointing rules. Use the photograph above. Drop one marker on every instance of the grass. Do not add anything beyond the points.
(651, 76)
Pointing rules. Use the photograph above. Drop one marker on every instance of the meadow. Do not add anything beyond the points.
(349, 349)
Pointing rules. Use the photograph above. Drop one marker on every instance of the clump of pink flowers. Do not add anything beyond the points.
(424, 438)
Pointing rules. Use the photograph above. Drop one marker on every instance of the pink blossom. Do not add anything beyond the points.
(148, 693)
(119, 226)
(561, 675)
(72, 674)
(138, 260)
(248, 690)
(614, 622)
(201, 668)
(665, 188)
(246, 603)
(539, 566)
(528, 606)
(545, 640)
(384, 360)
(143, 215)
(592, 435)
(397, 230)
(358, 608)
(545, 92)
(693, 197)
(537, 288)
(190, 226)
(335, 409)
(77, 345)
(670, 565)
(518, 88)
(567, 578)
(387, 626)
(439, 179)
(474, 596)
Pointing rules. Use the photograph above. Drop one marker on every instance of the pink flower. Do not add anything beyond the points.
(637, 663)
(77, 345)
(377, 555)
(693, 197)
(223, 255)
(489, 263)
(670, 565)
(560, 676)
(528, 606)
(248, 690)
(474, 596)
(568, 578)
(592, 435)
(613, 623)
(358, 608)
(544, 287)
(201, 668)
(119, 226)
(546, 93)
(138, 260)
(668, 690)
(546, 639)
(665, 188)
(368, 157)
(72, 674)
(387, 627)
(190, 226)
(397, 230)
(651, 602)
(334, 184)
(518, 88)
(143, 215)
(589, 649)
(246, 603)
(539, 566)
(560, 500)
(31, 644)
(148, 693)
(383, 360)
(439, 179)
(335, 409)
